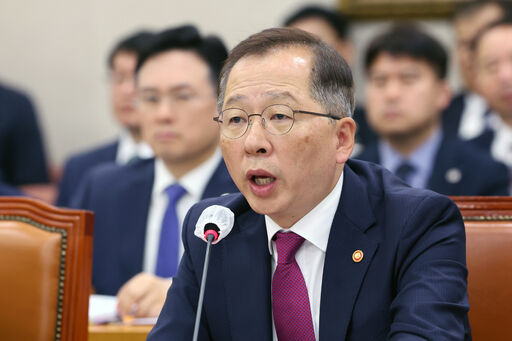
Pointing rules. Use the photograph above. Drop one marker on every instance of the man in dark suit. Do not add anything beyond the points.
(22, 155)
(492, 49)
(322, 247)
(121, 63)
(334, 29)
(406, 92)
(176, 96)
(465, 115)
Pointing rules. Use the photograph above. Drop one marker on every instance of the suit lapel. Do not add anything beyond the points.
(247, 272)
(446, 158)
(343, 277)
(135, 199)
(220, 183)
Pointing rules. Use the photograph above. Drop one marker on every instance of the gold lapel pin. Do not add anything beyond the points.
(357, 256)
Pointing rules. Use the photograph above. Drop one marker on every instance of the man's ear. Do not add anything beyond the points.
(345, 133)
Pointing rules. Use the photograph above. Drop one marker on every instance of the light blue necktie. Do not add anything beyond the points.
(168, 249)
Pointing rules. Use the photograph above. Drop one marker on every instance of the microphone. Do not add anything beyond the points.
(213, 225)
(216, 221)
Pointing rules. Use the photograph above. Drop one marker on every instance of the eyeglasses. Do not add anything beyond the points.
(152, 99)
(277, 119)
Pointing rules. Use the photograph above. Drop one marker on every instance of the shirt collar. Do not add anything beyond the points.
(128, 149)
(314, 226)
(422, 158)
(194, 181)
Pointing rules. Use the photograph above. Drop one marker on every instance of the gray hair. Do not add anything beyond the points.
(331, 83)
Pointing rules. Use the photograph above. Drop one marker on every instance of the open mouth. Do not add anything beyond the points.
(262, 180)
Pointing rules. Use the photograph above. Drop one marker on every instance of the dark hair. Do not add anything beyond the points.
(337, 20)
(134, 43)
(210, 49)
(408, 40)
(331, 82)
(506, 21)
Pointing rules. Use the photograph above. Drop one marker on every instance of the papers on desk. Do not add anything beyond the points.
(103, 309)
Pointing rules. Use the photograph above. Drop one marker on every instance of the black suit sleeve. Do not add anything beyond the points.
(24, 160)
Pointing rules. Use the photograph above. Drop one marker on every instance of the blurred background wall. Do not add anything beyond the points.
(56, 51)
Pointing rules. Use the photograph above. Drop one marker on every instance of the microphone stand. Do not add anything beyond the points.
(209, 238)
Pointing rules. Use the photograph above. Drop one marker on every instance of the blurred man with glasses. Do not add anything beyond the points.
(129, 146)
(139, 207)
(322, 247)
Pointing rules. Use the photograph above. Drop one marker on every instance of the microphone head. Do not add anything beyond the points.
(216, 218)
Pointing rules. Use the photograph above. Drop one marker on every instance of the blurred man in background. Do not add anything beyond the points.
(129, 146)
(406, 91)
(139, 207)
(23, 164)
(464, 117)
(334, 29)
(492, 49)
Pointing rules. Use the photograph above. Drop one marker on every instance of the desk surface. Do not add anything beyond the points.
(116, 332)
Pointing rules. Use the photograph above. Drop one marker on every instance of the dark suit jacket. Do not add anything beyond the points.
(365, 134)
(120, 197)
(78, 165)
(479, 173)
(22, 156)
(9, 190)
(484, 140)
(410, 285)
(452, 114)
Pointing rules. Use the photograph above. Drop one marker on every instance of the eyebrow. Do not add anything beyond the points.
(274, 95)
(178, 87)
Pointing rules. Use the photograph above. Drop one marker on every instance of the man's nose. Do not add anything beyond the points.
(165, 110)
(256, 136)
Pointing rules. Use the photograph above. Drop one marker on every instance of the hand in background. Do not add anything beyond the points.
(143, 295)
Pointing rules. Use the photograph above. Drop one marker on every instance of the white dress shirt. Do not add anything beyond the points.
(314, 227)
(129, 149)
(472, 121)
(194, 183)
(501, 146)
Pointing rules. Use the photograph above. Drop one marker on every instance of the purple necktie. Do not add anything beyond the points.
(168, 248)
(290, 301)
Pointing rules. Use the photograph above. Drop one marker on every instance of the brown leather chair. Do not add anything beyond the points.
(488, 222)
(45, 271)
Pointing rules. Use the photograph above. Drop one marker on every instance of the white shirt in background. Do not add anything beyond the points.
(472, 121)
(194, 183)
(128, 149)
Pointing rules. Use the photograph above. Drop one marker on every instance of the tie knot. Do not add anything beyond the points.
(404, 171)
(175, 192)
(287, 244)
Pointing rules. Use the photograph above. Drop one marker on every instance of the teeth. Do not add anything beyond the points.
(263, 181)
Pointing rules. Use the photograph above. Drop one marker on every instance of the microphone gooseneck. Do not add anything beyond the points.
(214, 224)
(209, 238)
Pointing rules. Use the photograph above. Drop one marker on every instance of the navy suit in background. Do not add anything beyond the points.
(22, 154)
(410, 285)
(452, 115)
(78, 165)
(8, 190)
(364, 134)
(120, 197)
(476, 173)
